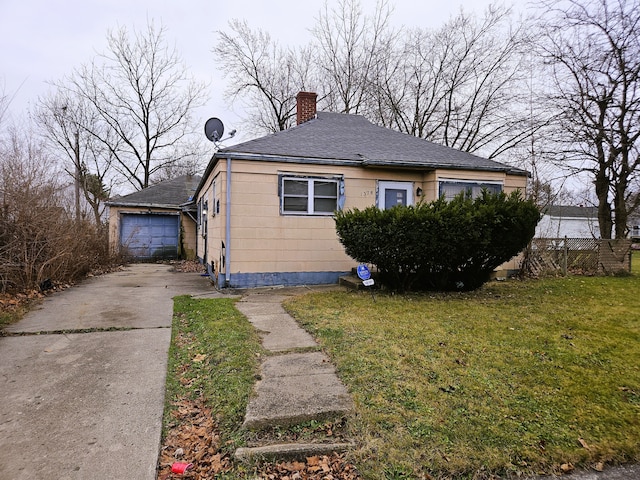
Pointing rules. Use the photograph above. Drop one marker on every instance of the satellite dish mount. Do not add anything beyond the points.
(214, 129)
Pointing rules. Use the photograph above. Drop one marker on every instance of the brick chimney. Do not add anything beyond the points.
(306, 106)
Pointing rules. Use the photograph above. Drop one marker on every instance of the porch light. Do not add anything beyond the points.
(418, 192)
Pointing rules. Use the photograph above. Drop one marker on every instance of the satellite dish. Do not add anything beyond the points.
(213, 129)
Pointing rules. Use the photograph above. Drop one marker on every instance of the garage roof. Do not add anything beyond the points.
(168, 194)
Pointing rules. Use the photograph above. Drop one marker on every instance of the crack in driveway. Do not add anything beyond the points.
(76, 330)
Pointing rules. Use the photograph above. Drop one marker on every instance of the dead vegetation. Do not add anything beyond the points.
(195, 438)
(42, 244)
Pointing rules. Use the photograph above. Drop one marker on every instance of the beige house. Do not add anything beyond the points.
(154, 223)
(265, 207)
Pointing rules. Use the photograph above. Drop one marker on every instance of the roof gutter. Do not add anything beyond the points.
(115, 203)
(444, 166)
(370, 163)
(289, 159)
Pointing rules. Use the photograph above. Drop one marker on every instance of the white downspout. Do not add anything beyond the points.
(227, 240)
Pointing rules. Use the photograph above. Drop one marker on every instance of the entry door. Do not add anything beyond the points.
(391, 194)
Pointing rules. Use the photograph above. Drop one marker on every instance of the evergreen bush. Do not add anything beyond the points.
(441, 245)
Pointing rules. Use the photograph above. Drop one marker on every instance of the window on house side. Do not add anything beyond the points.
(309, 196)
(471, 189)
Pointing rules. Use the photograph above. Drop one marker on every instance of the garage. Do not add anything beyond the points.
(155, 222)
(150, 236)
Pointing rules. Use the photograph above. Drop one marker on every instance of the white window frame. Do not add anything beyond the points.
(213, 209)
(387, 185)
(470, 183)
(310, 196)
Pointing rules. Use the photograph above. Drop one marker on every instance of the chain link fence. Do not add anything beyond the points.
(578, 256)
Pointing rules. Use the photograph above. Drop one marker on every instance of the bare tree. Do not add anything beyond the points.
(4, 104)
(266, 76)
(593, 52)
(70, 124)
(141, 100)
(408, 86)
(460, 85)
(338, 65)
(348, 47)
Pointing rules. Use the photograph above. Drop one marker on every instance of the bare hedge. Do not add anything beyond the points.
(40, 242)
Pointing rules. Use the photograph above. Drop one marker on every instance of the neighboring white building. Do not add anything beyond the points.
(634, 230)
(559, 221)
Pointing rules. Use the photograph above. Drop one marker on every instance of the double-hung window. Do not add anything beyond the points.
(452, 188)
(301, 195)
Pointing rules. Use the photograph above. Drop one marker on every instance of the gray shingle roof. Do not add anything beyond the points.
(571, 211)
(169, 194)
(337, 138)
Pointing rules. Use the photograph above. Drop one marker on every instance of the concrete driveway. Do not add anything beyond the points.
(82, 377)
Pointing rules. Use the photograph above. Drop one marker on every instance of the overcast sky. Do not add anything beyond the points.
(44, 40)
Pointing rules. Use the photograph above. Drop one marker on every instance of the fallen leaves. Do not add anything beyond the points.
(199, 358)
(188, 266)
(584, 444)
(567, 467)
(11, 302)
(325, 467)
(194, 438)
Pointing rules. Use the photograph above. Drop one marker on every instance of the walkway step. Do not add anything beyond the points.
(295, 388)
(290, 451)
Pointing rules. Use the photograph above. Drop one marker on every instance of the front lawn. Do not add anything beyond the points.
(533, 376)
(538, 376)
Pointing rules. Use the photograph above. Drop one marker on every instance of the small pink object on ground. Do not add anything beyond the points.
(179, 467)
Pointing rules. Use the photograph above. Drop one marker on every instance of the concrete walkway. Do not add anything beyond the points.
(82, 377)
(297, 383)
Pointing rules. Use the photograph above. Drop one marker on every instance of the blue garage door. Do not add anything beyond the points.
(150, 237)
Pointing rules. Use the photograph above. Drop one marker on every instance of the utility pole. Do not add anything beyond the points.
(76, 182)
(76, 155)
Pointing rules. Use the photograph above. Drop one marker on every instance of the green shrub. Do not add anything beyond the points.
(440, 245)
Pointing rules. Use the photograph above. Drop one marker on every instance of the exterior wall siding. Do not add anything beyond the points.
(188, 237)
(268, 248)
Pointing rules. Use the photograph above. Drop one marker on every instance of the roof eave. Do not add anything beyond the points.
(445, 166)
(236, 155)
(363, 163)
(143, 205)
(286, 159)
